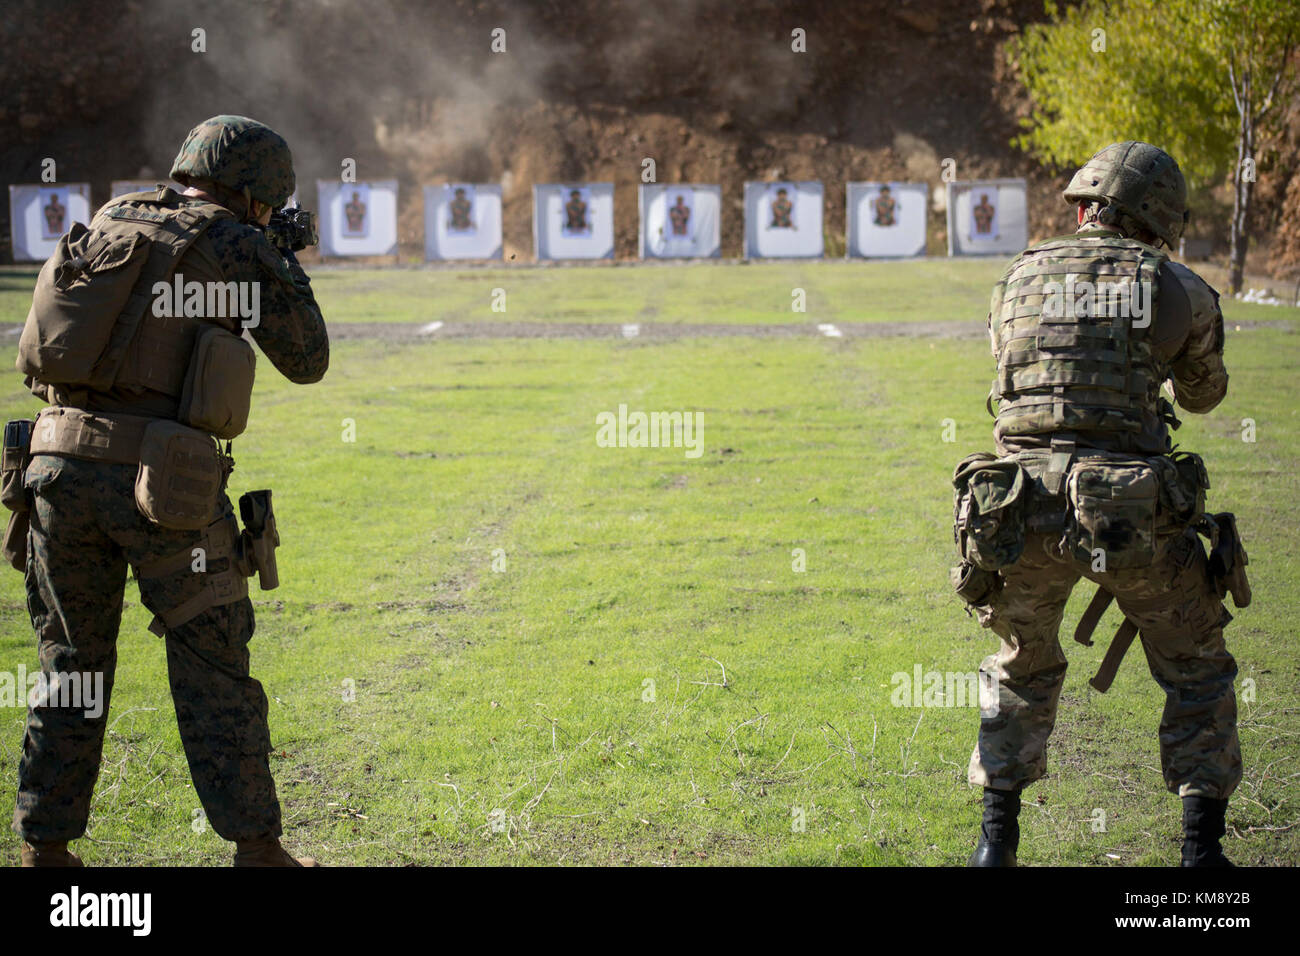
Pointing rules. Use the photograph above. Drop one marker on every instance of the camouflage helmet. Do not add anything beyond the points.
(1137, 180)
(240, 154)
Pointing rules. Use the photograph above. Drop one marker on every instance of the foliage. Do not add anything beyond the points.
(1153, 74)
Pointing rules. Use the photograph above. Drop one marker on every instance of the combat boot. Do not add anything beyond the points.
(1203, 826)
(267, 852)
(999, 830)
(49, 854)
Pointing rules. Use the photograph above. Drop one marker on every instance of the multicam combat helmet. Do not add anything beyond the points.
(241, 154)
(1138, 180)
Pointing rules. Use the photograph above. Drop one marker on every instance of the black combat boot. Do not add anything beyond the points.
(999, 830)
(1202, 828)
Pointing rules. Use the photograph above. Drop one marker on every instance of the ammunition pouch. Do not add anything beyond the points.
(1113, 509)
(1183, 483)
(181, 471)
(974, 585)
(1120, 506)
(13, 466)
(182, 476)
(218, 388)
(989, 510)
(13, 494)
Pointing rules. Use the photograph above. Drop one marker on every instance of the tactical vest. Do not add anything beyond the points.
(93, 325)
(1072, 367)
(97, 329)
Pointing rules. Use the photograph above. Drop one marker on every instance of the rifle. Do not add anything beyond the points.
(292, 228)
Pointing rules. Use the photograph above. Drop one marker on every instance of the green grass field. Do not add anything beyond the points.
(536, 629)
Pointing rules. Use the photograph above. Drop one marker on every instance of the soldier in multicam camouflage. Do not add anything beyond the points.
(1079, 410)
(86, 527)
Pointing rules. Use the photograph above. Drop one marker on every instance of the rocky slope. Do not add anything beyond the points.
(585, 90)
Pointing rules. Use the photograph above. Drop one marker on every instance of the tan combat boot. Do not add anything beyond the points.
(49, 854)
(267, 852)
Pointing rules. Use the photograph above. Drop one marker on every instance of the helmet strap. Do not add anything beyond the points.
(1106, 215)
(1090, 213)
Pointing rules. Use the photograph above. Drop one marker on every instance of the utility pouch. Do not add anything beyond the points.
(218, 389)
(13, 466)
(13, 469)
(1044, 511)
(255, 553)
(974, 585)
(1184, 482)
(989, 496)
(181, 478)
(1113, 509)
(15, 540)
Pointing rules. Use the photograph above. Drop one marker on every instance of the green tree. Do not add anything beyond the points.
(1255, 38)
(1199, 78)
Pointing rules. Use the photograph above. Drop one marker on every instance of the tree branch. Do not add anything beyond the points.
(1288, 45)
(1232, 77)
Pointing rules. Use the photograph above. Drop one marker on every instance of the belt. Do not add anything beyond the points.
(116, 438)
(98, 436)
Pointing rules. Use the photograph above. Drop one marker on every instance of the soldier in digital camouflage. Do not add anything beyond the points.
(87, 528)
(1085, 329)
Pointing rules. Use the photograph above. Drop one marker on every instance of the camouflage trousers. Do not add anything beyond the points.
(1181, 621)
(85, 530)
